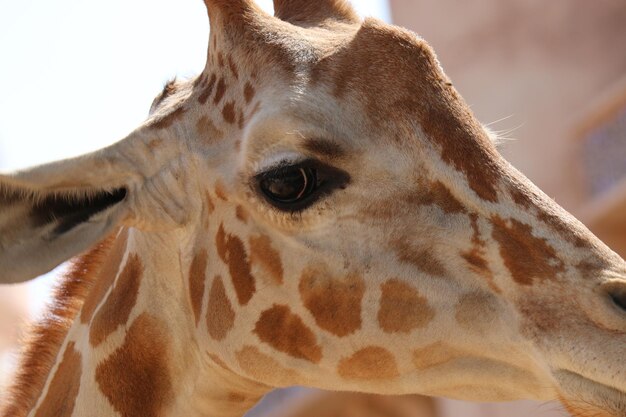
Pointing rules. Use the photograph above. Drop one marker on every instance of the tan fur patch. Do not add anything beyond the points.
(402, 308)
(287, 333)
(220, 315)
(370, 363)
(207, 130)
(435, 354)
(61, 396)
(241, 120)
(120, 302)
(231, 250)
(334, 302)
(169, 119)
(422, 258)
(105, 278)
(526, 256)
(265, 369)
(477, 312)
(136, 378)
(324, 148)
(197, 279)
(216, 359)
(263, 254)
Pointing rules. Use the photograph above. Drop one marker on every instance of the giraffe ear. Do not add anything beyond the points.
(53, 212)
(314, 13)
(40, 229)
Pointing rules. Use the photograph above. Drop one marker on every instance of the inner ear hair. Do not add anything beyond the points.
(66, 208)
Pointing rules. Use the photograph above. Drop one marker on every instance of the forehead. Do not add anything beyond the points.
(393, 80)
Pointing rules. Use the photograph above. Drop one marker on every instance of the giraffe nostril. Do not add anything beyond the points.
(617, 292)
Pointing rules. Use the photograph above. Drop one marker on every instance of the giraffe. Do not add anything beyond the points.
(318, 207)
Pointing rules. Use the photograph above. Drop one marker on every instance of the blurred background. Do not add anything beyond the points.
(551, 76)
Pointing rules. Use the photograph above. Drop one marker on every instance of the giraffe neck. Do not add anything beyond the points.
(130, 349)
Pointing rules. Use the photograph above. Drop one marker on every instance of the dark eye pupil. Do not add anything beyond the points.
(289, 185)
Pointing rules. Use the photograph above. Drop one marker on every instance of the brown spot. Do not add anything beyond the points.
(197, 279)
(566, 229)
(233, 68)
(591, 268)
(136, 378)
(220, 315)
(230, 248)
(210, 206)
(477, 312)
(324, 147)
(219, 91)
(207, 130)
(479, 266)
(155, 143)
(63, 390)
(169, 119)
(229, 112)
(526, 256)
(438, 194)
(476, 240)
(334, 303)
(546, 211)
(370, 363)
(105, 278)
(286, 332)
(477, 263)
(402, 308)
(120, 302)
(521, 198)
(241, 214)
(422, 258)
(199, 80)
(436, 354)
(263, 254)
(220, 59)
(262, 367)
(220, 191)
(206, 92)
(235, 397)
(248, 92)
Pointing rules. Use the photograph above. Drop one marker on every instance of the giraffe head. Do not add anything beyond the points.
(337, 218)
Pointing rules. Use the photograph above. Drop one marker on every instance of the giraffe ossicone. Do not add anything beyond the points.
(318, 207)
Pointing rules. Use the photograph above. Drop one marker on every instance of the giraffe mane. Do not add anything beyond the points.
(45, 337)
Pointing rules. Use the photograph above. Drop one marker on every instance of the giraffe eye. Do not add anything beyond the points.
(289, 185)
(295, 187)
